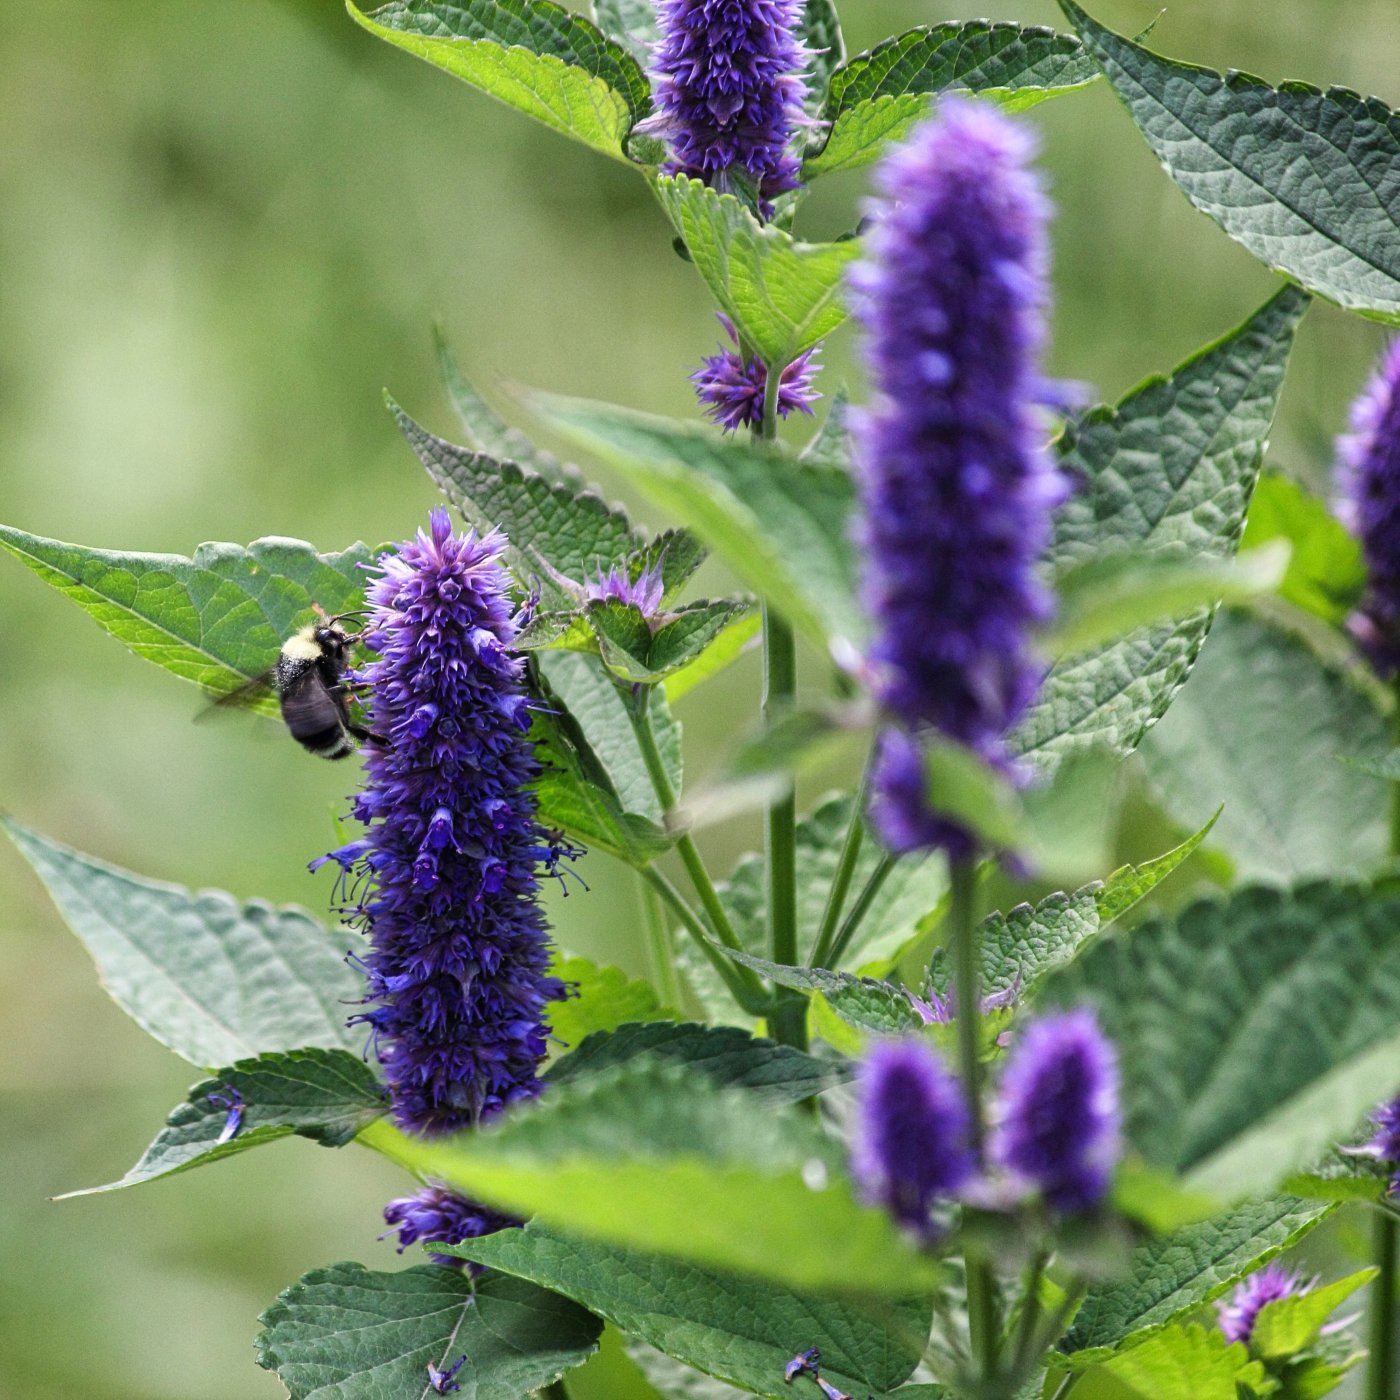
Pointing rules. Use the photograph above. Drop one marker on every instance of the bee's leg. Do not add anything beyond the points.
(367, 736)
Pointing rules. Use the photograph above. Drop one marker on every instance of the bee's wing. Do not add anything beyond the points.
(247, 696)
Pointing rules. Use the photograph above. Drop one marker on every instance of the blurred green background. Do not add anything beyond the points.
(224, 228)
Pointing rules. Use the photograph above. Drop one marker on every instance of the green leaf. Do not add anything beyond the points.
(1285, 1327)
(1301, 178)
(876, 97)
(213, 980)
(215, 619)
(532, 55)
(632, 22)
(727, 647)
(830, 445)
(1326, 571)
(1172, 465)
(636, 653)
(347, 1333)
(328, 1096)
(1290, 808)
(780, 525)
(1253, 1033)
(717, 1176)
(1181, 1362)
(739, 1330)
(602, 999)
(725, 1055)
(1106, 597)
(1169, 1277)
(673, 1380)
(781, 294)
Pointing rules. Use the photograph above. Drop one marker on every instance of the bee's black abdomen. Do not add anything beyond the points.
(330, 743)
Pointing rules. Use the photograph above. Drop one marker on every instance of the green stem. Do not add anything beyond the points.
(1030, 1315)
(1381, 1367)
(859, 910)
(1063, 1388)
(660, 947)
(841, 884)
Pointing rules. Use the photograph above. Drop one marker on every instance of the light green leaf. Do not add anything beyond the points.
(780, 525)
(601, 999)
(1285, 1327)
(1305, 180)
(1169, 1277)
(1326, 572)
(725, 1055)
(878, 96)
(216, 619)
(781, 294)
(717, 1176)
(532, 55)
(1180, 1362)
(739, 1330)
(1290, 808)
(1172, 465)
(1253, 1033)
(213, 980)
(727, 647)
(326, 1095)
(347, 1333)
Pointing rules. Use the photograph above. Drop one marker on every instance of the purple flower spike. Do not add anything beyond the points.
(1238, 1313)
(1059, 1118)
(1368, 488)
(957, 487)
(729, 91)
(436, 1215)
(457, 971)
(913, 1133)
(731, 389)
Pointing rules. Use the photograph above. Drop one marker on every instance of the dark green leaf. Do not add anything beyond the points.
(214, 980)
(736, 638)
(215, 619)
(347, 1333)
(725, 1055)
(325, 1095)
(633, 22)
(1178, 1273)
(1290, 808)
(876, 97)
(634, 652)
(1172, 465)
(1253, 1033)
(673, 1380)
(739, 1330)
(781, 294)
(821, 35)
(532, 55)
(1307, 181)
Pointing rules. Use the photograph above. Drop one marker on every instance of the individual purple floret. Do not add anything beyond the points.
(445, 1382)
(957, 487)
(1384, 1143)
(1058, 1119)
(912, 1141)
(729, 90)
(457, 970)
(731, 389)
(1368, 499)
(1238, 1313)
(436, 1215)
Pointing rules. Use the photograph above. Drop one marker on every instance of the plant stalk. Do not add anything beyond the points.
(660, 947)
(859, 910)
(840, 884)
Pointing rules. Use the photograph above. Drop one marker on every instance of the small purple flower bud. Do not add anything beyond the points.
(1059, 1122)
(231, 1100)
(617, 586)
(1238, 1313)
(731, 389)
(1368, 501)
(444, 1382)
(957, 487)
(912, 1141)
(458, 967)
(729, 91)
(436, 1215)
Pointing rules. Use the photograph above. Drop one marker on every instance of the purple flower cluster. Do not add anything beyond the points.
(957, 486)
(731, 388)
(1238, 1313)
(1368, 488)
(729, 91)
(457, 971)
(1057, 1122)
(436, 1215)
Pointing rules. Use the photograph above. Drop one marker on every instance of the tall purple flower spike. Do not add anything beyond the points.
(1238, 1313)
(957, 487)
(436, 1215)
(447, 874)
(912, 1141)
(731, 389)
(729, 91)
(1368, 491)
(1059, 1120)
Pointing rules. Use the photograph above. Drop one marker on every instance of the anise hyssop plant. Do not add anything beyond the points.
(871, 1126)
